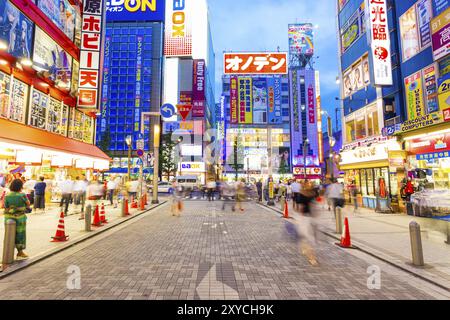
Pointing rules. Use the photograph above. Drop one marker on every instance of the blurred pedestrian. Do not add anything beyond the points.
(111, 189)
(95, 192)
(177, 199)
(132, 187)
(259, 187)
(335, 193)
(228, 195)
(66, 194)
(16, 207)
(211, 186)
(240, 194)
(28, 188)
(39, 194)
(79, 192)
(295, 193)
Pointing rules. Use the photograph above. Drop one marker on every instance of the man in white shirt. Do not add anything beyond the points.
(211, 186)
(28, 188)
(133, 187)
(79, 193)
(296, 188)
(335, 192)
(111, 187)
(66, 188)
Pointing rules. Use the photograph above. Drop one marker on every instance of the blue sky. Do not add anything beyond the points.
(254, 25)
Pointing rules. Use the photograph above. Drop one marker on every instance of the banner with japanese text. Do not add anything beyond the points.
(274, 92)
(90, 54)
(255, 63)
(198, 88)
(234, 100)
(380, 43)
(245, 100)
(260, 100)
(414, 96)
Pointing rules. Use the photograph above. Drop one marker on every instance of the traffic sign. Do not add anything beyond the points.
(140, 153)
(184, 110)
(167, 110)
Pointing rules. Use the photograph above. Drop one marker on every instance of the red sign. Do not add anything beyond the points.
(446, 115)
(255, 63)
(437, 143)
(184, 110)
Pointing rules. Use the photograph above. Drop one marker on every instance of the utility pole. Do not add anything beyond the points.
(236, 157)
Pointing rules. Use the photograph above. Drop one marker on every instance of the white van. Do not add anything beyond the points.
(188, 182)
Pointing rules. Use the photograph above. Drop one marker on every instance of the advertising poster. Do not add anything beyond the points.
(274, 106)
(409, 34)
(125, 10)
(444, 93)
(348, 83)
(198, 88)
(301, 38)
(414, 96)
(178, 30)
(5, 89)
(430, 80)
(342, 3)
(75, 73)
(186, 97)
(358, 81)
(260, 100)
(440, 6)
(49, 57)
(61, 13)
(440, 29)
(54, 116)
(296, 105)
(234, 100)
(19, 101)
(424, 15)
(444, 66)
(245, 100)
(366, 71)
(16, 30)
(350, 32)
(38, 109)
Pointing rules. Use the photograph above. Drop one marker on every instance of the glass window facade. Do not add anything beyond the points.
(127, 85)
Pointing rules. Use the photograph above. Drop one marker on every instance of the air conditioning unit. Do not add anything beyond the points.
(389, 107)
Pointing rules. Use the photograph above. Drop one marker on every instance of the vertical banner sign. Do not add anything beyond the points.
(271, 100)
(137, 99)
(105, 84)
(311, 105)
(91, 43)
(277, 100)
(38, 110)
(380, 42)
(245, 100)
(260, 100)
(414, 96)
(440, 30)
(430, 80)
(178, 39)
(234, 100)
(424, 14)
(198, 89)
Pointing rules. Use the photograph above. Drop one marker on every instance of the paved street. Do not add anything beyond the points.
(209, 254)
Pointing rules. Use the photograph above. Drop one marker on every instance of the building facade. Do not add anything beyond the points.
(388, 94)
(45, 129)
(189, 73)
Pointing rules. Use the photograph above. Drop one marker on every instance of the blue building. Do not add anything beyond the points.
(375, 111)
(132, 76)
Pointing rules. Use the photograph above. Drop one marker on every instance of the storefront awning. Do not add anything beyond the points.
(365, 165)
(21, 134)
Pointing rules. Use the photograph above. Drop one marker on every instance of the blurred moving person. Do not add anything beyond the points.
(177, 199)
(335, 193)
(79, 193)
(66, 194)
(39, 195)
(228, 196)
(240, 194)
(211, 186)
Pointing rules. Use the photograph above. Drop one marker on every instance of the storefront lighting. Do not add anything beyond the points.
(429, 135)
(3, 62)
(26, 62)
(3, 46)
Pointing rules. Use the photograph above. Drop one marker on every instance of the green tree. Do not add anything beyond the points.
(105, 142)
(167, 165)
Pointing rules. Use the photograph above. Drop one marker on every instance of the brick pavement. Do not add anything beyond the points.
(209, 254)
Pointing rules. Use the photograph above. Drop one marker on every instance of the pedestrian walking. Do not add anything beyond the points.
(95, 192)
(240, 194)
(259, 187)
(177, 199)
(66, 194)
(228, 195)
(79, 194)
(132, 187)
(295, 193)
(28, 188)
(211, 186)
(335, 193)
(39, 195)
(16, 207)
(288, 191)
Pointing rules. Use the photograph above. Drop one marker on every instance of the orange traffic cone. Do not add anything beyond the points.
(97, 222)
(103, 215)
(60, 235)
(286, 210)
(346, 241)
(142, 204)
(134, 204)
(145, 198)
(127, 212)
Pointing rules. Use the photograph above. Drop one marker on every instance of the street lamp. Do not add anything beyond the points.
(157, 131)
(305, 150)
(128, 141)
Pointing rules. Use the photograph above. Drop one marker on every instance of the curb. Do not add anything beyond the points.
(366, 251)
(22, 264)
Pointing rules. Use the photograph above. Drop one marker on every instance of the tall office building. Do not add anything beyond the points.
(132, 76)
(189, 73)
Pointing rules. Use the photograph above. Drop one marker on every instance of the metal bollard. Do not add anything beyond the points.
(416, 244)
(339, 222)
(9, 241)
(87, 218)
(123, 208)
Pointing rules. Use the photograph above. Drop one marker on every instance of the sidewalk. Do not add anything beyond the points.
(42, 226)
(386, 236)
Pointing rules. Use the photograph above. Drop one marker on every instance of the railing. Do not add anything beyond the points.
(392, 121)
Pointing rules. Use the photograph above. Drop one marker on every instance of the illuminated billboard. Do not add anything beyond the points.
(255, 63)
(135, 10)
(301, 37)
(178, 38)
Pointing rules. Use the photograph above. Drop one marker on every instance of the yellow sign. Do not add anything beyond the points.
(422, 122)
(414, 96)
(271, 190)
(444, 95)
